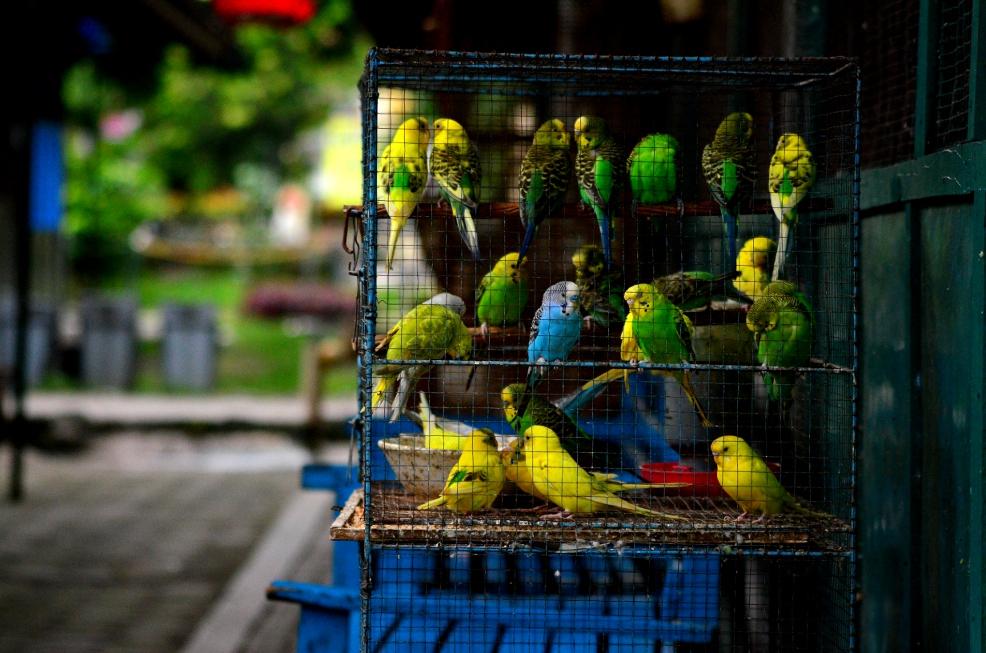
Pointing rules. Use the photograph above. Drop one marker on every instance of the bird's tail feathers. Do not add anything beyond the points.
(613, 501)
(605, 220)
(434, 503)
(785, 243)
(467, 230)
(729, 232)
(529, 232)
(395, 236)
(405, 381)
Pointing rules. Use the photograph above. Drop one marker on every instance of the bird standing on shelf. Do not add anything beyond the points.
(746, 478)
(555, 329)
(476, 479)
(430, 331)
(600, 290)
(453, 161)
(753, 265)
(653, 171)
(556, 477)
(791, 175)
(599, 167)
(523, 410)
(729, 168)
(782, 322)
(403, 176)
(544, 175)
(502, 293)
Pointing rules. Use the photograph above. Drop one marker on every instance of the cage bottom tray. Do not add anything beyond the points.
(706, 522)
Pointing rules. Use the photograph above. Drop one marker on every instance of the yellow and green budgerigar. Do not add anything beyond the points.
(520, 475)
(745, 477)
(653, 170)
(544, 176)
(502, 293)
(729, 168)
(438, 433)
(403, 176)
(599, 169)
(453, 161)
(782, 321)
(600, 290)
(791, 175)
(476, 479)
(753, 265)
(556, 477)
(432, 330)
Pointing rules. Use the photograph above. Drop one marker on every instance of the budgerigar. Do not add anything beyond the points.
(453, 162)
(689, 290)
(555, 329)
(476, 479)
(403, 176)
(600, 290)
(502, 293)
(729, 168)
(557, 477)
(438, 433)
(544, 176)
(781, 321)
(429, 331)
(599, 168)
(524, 410)
(745, 477)
(792, 173)
(653, 170)
(753, 265)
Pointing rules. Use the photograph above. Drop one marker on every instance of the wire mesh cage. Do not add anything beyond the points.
(607, 351)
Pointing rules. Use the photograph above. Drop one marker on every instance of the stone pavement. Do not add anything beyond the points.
(147, 538)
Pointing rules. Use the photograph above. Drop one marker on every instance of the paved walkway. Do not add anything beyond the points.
(148, 540)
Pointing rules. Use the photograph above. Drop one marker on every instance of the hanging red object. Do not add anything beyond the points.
(291, 12)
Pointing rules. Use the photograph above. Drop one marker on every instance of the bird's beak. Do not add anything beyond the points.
(629, 303)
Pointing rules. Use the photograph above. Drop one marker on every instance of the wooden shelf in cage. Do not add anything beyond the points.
(707, 522)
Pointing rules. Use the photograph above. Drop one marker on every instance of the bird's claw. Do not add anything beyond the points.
(742, 517)
(484, 330)
(561, 514)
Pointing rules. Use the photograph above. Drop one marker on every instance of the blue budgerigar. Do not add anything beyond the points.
(555, 329)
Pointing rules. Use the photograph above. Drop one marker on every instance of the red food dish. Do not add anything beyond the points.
(703, 484)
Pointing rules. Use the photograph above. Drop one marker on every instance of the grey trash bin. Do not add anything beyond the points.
(40, 339)
(109, 342)
(188, 346)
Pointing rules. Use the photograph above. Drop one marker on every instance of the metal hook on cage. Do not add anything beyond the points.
(352, 235)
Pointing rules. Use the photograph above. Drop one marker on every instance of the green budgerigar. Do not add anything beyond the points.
(653, 170)
(791, 175)
(781, 320)
(430, 331)
(729, 168)
(599, 169)
(502, 293)
(600, 290)
(403, 176)
(544, 176)
(453, 161)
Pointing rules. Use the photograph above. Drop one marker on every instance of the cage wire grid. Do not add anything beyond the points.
(465, 529)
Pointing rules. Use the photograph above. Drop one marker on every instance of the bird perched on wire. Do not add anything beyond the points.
(791, 175)
(523, 410)
(753, 265)
(599, 169)
(729, 168)
(693, 289)
(653, 171)
(781, 320)
(430, 331)
(544, 175)
(600, 290)
(453, 162)
(745, 477)
(476, 478)
(558, 478)
(555, 329)
(502, 293)
(403, 176)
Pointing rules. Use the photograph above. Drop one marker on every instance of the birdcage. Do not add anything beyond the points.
(607, 345)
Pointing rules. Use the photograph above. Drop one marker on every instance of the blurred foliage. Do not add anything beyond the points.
(201, 129)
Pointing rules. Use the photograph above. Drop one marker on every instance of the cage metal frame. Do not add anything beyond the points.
(458, 72)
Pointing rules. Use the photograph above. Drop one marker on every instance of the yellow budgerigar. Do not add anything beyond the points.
(753, 265)
(791, 175)
(453, 162)
(745, 477)
(476, 479)
(557, 477)
(403, 176)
